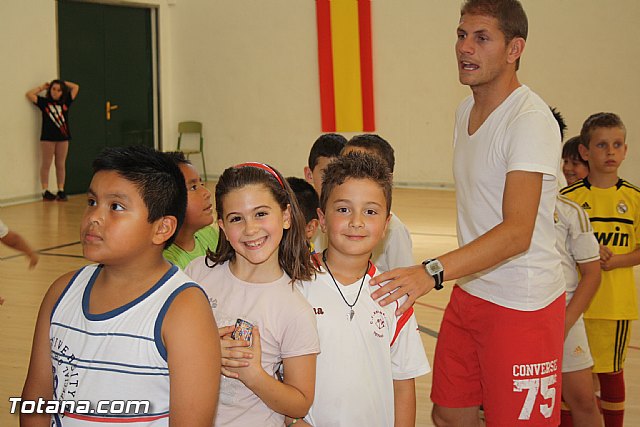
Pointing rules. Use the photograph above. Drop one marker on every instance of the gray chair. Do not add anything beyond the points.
(192, 128)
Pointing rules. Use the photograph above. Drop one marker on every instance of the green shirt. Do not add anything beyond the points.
(206, 238)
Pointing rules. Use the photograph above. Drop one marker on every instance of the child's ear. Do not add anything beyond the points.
(221, 225)
(286, 218)
(321, 220)
(308, 175)
(386, 223)
(165, 227)
(311, 228)
(584, 152)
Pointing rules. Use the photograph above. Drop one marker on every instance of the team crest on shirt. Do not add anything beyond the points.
(621, 207)
(379, 321)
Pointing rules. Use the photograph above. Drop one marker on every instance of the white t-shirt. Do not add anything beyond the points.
(4, 230)
(575, 242)
(287, 329)
(519, 135)
(393, 251)
(360, 358)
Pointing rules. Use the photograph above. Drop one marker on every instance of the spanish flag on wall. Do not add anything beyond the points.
(345, 65)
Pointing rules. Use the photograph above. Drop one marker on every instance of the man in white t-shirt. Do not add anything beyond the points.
(500, 342)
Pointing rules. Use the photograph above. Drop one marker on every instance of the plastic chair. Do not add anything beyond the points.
(195, 128)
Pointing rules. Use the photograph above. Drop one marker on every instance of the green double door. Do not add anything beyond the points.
(107, 50)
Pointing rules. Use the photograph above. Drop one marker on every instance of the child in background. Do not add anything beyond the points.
(574, 167)
(17, 242)
(370, 357)
(249, 280)
(132, 326)
(613, 205)
(196, 236)
(326, 148)
(395, 249)
(307, 199)
(577, 245)
(55, 133)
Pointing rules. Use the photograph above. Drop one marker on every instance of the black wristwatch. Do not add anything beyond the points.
(434, 268)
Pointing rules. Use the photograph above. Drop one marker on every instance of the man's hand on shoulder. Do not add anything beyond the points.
(413, 282)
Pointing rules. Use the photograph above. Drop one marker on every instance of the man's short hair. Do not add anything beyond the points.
(327, 145)
(512, 19)
(356, 165)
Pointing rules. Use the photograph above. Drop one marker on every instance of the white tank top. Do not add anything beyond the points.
(118, 355)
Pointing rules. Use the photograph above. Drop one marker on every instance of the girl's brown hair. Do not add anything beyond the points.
(293, 253)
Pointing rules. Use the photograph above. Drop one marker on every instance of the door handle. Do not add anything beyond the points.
(109, 109)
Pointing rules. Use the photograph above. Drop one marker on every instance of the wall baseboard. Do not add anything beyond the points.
(20, 199)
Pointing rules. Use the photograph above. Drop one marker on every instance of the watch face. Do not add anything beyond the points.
(434, 267)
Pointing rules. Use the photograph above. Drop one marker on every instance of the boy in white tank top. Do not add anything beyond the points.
(133, 327)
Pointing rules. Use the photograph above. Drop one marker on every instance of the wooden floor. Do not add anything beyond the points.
(53, 228)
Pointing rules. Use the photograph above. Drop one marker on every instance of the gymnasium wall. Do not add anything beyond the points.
(248, 70)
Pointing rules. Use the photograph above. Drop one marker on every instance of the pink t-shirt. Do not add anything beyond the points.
(287, 329)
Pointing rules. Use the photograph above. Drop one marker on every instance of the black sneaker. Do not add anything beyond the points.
(62, 196)
(48, 196)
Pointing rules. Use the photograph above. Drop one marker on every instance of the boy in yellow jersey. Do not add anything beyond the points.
(613, 205)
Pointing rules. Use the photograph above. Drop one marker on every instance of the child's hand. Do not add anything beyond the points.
(231, 352)
(609, 264)
(33, 260)
(253, 368)
(605, 253)
(45, 85)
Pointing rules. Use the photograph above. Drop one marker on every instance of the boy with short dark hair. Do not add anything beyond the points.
(613, 205)
(196, 235)
(396, 248)
(132, 326)
(307, 198)
(354, 212)
(326, 148)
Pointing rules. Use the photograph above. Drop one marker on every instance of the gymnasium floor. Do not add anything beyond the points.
(53, 228)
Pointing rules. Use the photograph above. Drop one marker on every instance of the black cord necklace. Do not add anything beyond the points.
(351, 311)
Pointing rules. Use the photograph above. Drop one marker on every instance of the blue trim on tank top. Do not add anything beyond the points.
(117, 311)
(66, 288)
(101, 334)
(157, 331)
(120, 371)
(61, 356)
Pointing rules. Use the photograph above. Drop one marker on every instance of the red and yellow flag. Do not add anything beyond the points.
(345, 65)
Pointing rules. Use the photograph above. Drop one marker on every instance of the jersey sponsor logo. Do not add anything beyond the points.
(536, 379)
(613, 239)
(585, 205)
(621, 207)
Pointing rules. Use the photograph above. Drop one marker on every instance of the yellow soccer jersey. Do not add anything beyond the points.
(615, 217)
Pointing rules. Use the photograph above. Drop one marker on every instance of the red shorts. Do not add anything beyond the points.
(507, 360)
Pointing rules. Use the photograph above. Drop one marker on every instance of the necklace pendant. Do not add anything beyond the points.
(351, 314)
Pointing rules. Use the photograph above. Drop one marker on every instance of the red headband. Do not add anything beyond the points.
(263, 167)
